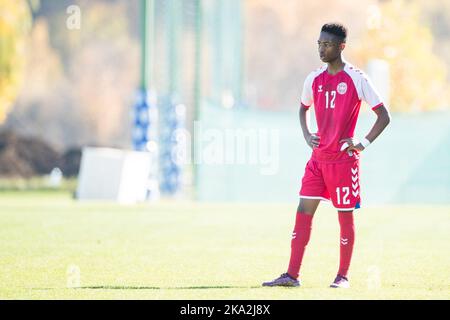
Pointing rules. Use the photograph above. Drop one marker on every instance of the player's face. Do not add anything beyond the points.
(330, 47)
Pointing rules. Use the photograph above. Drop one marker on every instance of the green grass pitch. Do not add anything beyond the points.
(183, 250)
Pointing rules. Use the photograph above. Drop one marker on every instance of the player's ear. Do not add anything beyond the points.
(342, 46)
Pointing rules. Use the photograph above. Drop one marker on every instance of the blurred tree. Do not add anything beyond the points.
(15, 22)
(418, 76)
(281, 45)
(45, 100)
(436, 14)
(79, 83)
(104, 71)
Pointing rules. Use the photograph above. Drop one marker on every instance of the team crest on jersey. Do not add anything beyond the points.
(342, 88)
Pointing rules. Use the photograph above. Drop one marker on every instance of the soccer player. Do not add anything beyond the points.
(332, 173)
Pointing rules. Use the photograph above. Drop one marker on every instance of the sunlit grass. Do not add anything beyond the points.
(183, 250)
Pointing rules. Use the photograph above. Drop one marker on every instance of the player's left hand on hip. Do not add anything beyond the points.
(351, 144)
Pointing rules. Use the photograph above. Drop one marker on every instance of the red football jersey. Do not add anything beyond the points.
(337, 101)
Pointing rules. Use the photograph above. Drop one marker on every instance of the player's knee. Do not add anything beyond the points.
(307, 206)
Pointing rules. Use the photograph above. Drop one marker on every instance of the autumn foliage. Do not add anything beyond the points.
(15, 22)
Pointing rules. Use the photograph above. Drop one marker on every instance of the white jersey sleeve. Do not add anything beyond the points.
(307, 93)
(369, 94)
(364, 87)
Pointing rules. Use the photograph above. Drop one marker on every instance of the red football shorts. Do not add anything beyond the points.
(338, 182)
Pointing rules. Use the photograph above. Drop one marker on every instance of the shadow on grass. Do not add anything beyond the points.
(151, 288)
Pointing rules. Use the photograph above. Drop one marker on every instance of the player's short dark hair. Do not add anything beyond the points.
(337, 29)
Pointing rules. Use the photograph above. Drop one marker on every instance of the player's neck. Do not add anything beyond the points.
(335, 66)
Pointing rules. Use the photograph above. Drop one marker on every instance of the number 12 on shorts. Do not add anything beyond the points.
(345, 191)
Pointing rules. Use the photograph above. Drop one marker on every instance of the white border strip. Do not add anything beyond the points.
(347, 209)
(324, 199)
(321, 198)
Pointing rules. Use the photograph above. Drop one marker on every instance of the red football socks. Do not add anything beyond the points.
(346, 241)
(300, 238)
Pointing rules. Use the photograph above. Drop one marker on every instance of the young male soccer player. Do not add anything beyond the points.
(336, 90)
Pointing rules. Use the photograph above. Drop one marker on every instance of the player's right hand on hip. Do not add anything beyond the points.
(313, 140)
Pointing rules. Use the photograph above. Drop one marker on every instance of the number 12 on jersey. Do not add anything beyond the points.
(328, 103)
(345, 193)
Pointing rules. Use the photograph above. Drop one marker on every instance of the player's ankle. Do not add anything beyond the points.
(344, 277)
(291, 276)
